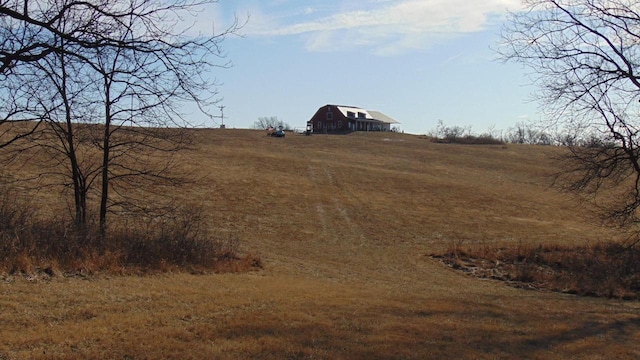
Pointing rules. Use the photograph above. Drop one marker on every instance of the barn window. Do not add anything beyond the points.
(361, 115)
(329, 116)
(340, 124)
(319, 124)
(351, 114)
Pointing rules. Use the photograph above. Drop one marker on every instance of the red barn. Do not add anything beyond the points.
(343, 119)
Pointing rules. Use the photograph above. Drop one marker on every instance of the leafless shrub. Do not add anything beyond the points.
(603, 270)
(174, 242)
(265, 122)
(462, 135)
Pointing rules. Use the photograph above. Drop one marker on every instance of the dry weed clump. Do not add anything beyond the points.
(32, 246)
(469, 140)
(603, 270)
(180, 241)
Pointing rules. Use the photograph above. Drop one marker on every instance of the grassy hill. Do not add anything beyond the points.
(344, 226)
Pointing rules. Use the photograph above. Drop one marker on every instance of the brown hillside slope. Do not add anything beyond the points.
(342, 224)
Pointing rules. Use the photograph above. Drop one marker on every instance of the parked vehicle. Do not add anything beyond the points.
(276, 133)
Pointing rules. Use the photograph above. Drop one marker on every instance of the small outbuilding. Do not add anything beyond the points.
(345, 119)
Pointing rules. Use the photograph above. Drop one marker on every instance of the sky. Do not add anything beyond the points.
(418, 61)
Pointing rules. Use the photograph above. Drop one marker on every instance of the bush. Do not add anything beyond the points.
(604, 270)
(471, 140)
(29, 245)
(462, 135)
(179, 240)
(270, 121)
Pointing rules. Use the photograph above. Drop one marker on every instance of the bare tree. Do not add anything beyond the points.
(585, 57)
(525, 133)
(111, 77)
(265, 122)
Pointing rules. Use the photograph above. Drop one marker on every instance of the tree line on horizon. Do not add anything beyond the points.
(521, 133)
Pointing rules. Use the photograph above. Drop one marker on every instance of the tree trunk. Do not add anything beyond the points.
(105, 160)
(79, 191)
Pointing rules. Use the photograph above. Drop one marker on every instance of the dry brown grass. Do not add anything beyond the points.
(342, 225)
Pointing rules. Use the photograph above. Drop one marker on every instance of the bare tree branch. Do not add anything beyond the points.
(584, 56)
(104, 81)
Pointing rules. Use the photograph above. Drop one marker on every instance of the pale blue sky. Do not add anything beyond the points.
(417, 61)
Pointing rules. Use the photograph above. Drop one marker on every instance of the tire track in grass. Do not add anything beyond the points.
(333, 215)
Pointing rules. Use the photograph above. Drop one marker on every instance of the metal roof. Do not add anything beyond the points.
(377, 115)
(345, 109)
(369, 114)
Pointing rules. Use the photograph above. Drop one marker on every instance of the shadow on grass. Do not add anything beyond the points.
(482, 331)
(480, 328)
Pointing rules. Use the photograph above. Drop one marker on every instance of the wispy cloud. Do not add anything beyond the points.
(309, 10)
(383, 26)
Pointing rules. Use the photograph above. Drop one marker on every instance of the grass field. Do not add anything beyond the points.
(343, 226)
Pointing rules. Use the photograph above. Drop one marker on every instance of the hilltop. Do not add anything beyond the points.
(344, 226)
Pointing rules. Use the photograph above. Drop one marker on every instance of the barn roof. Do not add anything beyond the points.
(368, 114)
(345, 109)
(377, 115)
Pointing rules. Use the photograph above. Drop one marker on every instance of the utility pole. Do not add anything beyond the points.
(221, 107)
